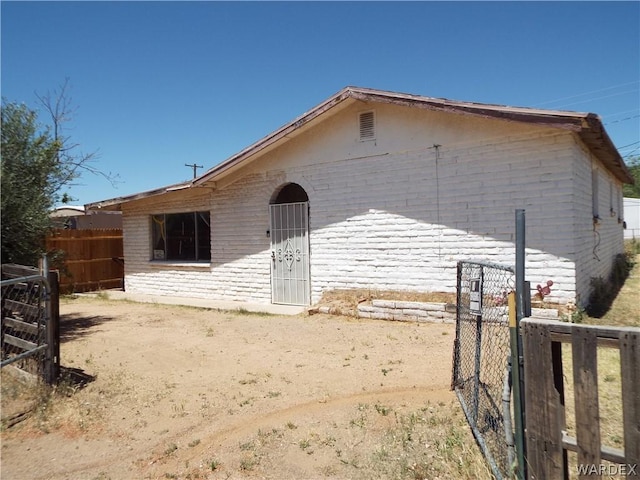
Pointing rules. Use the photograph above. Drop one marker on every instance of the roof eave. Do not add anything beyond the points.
(598, 141)
(115, 204)
(273, 138)
(572, 121)
(587, 126)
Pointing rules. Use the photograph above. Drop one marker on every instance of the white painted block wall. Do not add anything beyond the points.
(394, 213)
(160, 277)
(596, 245)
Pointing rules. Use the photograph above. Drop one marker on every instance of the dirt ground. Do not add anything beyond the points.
(177, 392)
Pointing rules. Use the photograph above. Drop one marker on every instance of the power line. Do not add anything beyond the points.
(630, 145)
(622, 120)
(619, 113)
(632, 152)
(588, 93)
(596, 98)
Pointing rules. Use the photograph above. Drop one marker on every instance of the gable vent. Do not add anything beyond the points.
(367, 126)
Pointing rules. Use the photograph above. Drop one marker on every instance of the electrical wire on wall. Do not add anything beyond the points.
(437, 150)
(595, 206)
(596, 236)
(486, 142)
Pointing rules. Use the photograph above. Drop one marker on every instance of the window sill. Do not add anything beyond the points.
(178, 264)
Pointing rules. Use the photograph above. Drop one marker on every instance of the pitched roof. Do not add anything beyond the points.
(587, 126)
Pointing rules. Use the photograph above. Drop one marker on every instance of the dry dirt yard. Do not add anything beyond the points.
(185, 393)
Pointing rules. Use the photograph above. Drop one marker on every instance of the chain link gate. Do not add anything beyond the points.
(482, 351)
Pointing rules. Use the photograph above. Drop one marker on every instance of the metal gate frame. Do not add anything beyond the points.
(30, 323)
(481, 364)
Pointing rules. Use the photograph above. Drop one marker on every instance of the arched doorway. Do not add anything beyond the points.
(289, 228)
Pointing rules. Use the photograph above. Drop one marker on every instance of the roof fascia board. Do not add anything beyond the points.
(115, 203)
(568, 120)
(598, 141)
(273, 138)
(559, 119)
(588, 126)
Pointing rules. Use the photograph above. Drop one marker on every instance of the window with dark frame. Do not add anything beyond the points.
(181, 236)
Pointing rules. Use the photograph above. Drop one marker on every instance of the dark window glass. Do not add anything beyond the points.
(181, 236)
(204, 236)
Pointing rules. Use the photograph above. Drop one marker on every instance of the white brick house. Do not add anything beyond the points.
(381, 190)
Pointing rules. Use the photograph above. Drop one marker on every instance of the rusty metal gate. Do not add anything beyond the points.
(482, 351)
(28, 339)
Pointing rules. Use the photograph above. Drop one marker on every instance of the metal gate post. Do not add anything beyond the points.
(53, 328)
(478, 356)
(516, 345)
(52, 322)
(456, 342)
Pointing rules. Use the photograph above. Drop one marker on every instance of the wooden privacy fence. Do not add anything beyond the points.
(546, 437)
(93, 259)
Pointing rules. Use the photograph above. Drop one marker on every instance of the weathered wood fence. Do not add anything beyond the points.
(93, 259)
(546, 437)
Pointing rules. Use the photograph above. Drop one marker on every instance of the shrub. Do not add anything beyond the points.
(603, 292)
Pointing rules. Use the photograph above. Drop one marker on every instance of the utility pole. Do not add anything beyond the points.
(194, 166)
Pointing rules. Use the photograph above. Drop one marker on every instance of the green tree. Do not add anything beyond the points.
(29, 162)
(633, 191)
(38, 163)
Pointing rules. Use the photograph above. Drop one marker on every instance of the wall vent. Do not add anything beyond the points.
(367, 126)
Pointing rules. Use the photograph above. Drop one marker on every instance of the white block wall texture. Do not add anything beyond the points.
(396, 213)
(429, 312)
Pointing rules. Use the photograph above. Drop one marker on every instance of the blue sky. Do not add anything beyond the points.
(161, 84)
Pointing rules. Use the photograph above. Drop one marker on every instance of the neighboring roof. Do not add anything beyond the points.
(67, 211)
(587, 126)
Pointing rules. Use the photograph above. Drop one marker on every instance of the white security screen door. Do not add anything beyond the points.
(290, 253)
